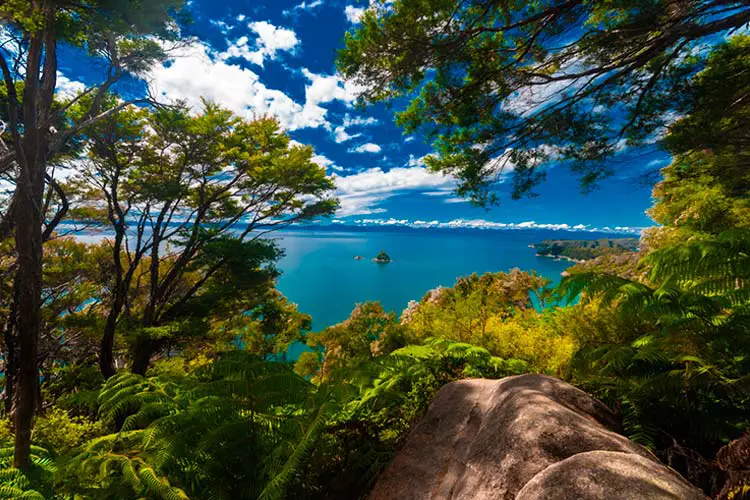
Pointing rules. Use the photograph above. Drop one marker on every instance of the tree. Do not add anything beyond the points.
(382, 257)
(189, 199)
(704, 190)
(122, 33)
(511, 85)
(462, 312)
(369, 331)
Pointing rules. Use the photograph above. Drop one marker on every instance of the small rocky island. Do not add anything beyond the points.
(382, 258)
(358, 257)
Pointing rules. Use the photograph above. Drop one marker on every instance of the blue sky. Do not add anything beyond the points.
(278, 58)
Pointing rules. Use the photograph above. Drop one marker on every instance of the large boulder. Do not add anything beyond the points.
(488, 439)
(607, 475)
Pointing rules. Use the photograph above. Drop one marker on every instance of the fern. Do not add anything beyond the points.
(684, 368)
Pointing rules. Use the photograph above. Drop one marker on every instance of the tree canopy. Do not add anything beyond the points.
(509, 86)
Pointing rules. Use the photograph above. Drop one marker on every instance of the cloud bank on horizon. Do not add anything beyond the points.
(277, 58)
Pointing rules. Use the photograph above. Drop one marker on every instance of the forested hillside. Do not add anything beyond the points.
(586, 249)
(152, 364)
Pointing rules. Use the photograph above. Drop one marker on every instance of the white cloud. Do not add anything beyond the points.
(368, 147)
(359, 121)
(269, 41)
(327, 88)
(493, 225)
(455, 199)
(439, 192)
(194, 72)
(222, 25)
(67, 88)
(658, 163)
(354, 14)
(341, 135)
(415, 162)
(326, 162)
(360, 193)
(304, 6)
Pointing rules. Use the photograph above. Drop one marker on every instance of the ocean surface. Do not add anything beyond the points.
(322, 277)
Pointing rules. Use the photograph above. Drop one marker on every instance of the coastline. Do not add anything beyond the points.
(562, 257)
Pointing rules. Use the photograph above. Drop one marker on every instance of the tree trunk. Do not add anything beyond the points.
(141, 356)
(11, 349)
(39, 88)
(106, 349)
(106, 353)
(29, 248)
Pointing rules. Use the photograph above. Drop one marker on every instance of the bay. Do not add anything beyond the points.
(322, 277)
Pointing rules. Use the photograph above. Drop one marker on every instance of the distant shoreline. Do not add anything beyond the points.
(593, 233)
(563, 257)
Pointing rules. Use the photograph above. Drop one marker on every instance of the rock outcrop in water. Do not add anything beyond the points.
(529, 437)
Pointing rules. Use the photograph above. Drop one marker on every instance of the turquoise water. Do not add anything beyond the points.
(322, 277)
(320, 274)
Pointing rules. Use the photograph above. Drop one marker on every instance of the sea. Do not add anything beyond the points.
(319, 271)
(321, 275)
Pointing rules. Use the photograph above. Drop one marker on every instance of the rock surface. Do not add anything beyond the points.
(607, 475)
(499, 439)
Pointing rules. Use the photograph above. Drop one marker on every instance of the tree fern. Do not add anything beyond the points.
(685, 367)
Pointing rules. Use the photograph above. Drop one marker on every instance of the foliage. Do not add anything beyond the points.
(497, 312)
(705, 188)
(533, 82)
(369, 331)
(683, 372)
(216, 183)
(189, 436)
(34, 483)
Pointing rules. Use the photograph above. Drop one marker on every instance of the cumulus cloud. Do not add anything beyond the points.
(269, 41)
(361, 193)
(67, 88)
(194, 72)
(327, 88)
(368, 147)
(354, 14)
(324, 89)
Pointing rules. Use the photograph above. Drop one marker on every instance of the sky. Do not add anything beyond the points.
(278, 57)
